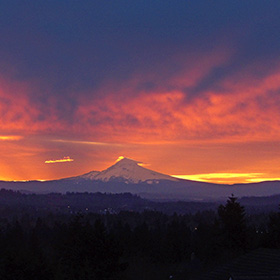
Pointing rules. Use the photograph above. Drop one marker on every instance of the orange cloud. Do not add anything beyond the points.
(21, 114)
(243, 108)
(244, 112)
(65, 159)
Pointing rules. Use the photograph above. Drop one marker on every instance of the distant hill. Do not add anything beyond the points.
(71, 203)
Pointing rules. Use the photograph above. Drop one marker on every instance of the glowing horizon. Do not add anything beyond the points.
(228, 178)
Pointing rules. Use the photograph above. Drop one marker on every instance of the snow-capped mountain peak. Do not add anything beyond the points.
(128, 171)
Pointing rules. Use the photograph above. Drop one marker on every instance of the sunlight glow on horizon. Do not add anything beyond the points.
(228, 178)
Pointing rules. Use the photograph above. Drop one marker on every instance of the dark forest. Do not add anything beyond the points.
(48, 243)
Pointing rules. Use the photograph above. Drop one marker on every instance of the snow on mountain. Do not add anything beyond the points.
(90, 175)
(128, 171)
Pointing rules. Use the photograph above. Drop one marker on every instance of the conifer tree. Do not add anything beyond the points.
(233, 223)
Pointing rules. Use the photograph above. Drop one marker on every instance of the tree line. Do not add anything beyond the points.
(130, 245)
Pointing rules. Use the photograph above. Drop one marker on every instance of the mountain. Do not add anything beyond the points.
(127, 176)
(128, 171)
(87, 176)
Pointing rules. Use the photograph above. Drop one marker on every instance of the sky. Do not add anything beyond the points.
(190, 88)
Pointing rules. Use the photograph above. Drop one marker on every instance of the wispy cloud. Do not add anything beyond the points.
(86, 142)
(10, 137)
(65, 159)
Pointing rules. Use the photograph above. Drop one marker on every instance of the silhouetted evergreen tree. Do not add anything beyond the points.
(233, 224)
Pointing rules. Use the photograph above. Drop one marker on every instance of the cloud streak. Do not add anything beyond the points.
(10, 137)
(65, 159)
